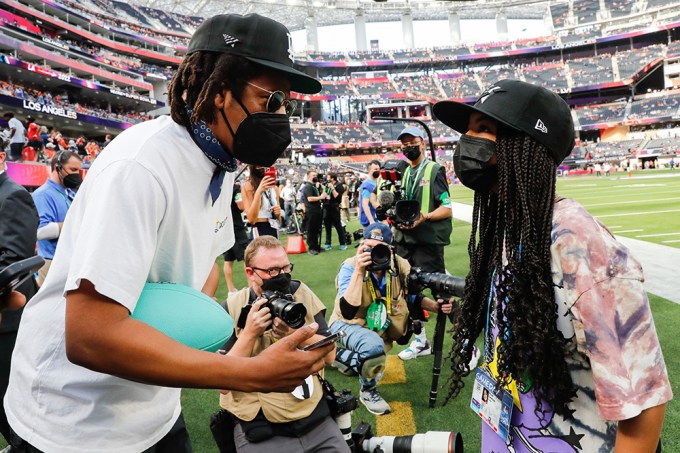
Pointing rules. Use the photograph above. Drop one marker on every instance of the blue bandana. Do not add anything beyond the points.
(213, 150)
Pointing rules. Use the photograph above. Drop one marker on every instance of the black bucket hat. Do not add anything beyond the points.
(531, 109)
(256, 38)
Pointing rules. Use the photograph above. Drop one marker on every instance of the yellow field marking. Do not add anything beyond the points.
(394, 371)
(398, 423)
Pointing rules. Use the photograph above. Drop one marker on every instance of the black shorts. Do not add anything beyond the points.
(236, 252)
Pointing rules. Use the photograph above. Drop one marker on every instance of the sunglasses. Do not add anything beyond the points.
(276, 100)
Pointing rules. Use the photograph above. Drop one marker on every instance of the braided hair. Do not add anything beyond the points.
(510, 248)
(200, 77)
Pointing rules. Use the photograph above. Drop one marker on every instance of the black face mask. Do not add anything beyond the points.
(258, 173)
(260, 138)
(315, 180)
(375, 174)
(412, 152)
(471, 163)
(73, 181)
(280, 283)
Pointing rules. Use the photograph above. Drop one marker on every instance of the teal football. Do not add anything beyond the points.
(184, 314)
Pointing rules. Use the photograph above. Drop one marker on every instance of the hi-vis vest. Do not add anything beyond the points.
(276, 407)
(437, 232)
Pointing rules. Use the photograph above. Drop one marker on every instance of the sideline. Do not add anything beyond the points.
(659, 262)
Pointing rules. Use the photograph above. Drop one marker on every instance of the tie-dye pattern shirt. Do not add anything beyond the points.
(616, 362)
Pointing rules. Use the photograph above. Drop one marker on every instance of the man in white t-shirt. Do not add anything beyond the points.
(155, 207)
(17, 136)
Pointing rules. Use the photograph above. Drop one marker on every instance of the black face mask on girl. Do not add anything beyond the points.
(471, 163)
(258, 173)
(260, 138)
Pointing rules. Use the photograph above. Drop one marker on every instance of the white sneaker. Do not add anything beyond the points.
(375, 404)
(416, 349)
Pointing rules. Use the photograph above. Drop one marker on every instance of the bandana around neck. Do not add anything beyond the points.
(213, 150)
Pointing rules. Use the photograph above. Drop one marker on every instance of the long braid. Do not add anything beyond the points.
(531, 348)
(200, 77)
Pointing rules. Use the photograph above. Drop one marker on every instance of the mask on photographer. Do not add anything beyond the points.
(375, 174)
(412, 152)
(280, 283)
(260, 138)
(471, 163)
(258, 172)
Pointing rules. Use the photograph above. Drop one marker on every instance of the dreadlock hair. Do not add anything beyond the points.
(510, 248)
(200, 77)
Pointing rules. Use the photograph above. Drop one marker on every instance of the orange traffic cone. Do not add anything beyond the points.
(295, 245)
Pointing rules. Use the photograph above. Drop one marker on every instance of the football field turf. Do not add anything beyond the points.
(645, 207)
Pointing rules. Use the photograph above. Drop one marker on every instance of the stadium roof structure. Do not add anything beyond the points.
(295, 13)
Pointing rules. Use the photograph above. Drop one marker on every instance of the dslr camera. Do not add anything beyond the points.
(281, 306)
(442, 285)
(393, 206)
(380, 257)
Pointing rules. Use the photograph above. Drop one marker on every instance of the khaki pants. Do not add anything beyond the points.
(42, 273)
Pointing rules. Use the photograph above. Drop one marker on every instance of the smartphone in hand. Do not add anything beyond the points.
(324, 341)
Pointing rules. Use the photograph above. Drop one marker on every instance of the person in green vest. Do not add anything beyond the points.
(422, 243)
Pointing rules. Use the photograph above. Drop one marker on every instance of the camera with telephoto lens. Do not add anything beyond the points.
(392, 205)
(280, 306)
(380, 257)
(363, 440)
(443, 285)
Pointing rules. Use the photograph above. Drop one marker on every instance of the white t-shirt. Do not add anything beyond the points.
(143, 214)
(20, 133)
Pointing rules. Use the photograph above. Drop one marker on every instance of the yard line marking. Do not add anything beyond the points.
(630, 202)
(637, 213)
(656, 235)
(394, 371)
(674, 240)
(399, 422)
(627, 231)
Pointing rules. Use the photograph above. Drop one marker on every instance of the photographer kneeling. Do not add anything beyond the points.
(372, 308)
(272, 307)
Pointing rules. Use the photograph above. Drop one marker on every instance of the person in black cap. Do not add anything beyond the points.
(155, 207)
(568, 330)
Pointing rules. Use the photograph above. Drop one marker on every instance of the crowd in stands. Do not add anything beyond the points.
(62, 101)
(655, 107)
(461, 87)
(602, 113)
(591, 71)
(631, 61)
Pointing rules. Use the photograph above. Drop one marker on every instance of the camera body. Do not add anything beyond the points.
(280, 306)
(440, 284)
(393, 206)
(380, 257)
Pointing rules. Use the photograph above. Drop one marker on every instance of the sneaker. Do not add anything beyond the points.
(375, 404)
(327, 247)
(416, 349)
(313, 252)
(343, 247)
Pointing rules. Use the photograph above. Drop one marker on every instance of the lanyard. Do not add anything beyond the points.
(418, 174)
(388, 291)
(64, 194)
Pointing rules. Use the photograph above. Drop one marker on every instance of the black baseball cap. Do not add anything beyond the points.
(256, 38)
(531, 109)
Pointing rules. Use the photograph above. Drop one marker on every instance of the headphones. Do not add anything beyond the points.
(59, 166)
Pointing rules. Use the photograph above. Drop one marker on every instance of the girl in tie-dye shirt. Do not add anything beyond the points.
(565, 319)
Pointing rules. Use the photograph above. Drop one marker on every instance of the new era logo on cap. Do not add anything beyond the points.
(229, 40)
(540, 126)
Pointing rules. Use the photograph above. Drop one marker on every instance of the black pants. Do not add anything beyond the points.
(176, 441)
(313, 229)
(428, 257)
(332, 220)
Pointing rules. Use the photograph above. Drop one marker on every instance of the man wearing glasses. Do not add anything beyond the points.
(284, 422)
(155, 207)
